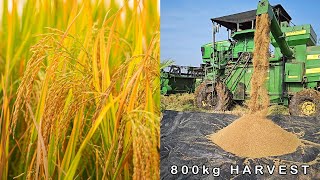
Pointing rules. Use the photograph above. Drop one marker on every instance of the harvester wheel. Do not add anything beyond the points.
(203, 100)
(224, 97)
(305, 103)
(219, 100)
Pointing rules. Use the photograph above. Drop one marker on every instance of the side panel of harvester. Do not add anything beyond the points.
(300, 72)
(313, 66)
(239, 83)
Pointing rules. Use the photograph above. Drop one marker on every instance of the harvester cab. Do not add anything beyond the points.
(294, 65)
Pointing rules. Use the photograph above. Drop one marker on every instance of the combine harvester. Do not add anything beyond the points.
(253, 141)
(180, 79)
(294, 66)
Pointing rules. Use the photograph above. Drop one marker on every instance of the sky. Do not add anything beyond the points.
(186, 24)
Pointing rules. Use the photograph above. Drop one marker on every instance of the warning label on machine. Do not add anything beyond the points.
(313, 70)
(313, 56)
(293, 33)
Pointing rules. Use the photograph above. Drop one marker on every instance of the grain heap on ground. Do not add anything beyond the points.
(253, 135)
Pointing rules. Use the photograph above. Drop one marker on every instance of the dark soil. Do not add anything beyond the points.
(184, 142)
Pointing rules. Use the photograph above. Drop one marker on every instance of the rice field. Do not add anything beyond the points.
(79, 89)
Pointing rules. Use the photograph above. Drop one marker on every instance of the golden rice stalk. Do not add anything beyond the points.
(80, 86)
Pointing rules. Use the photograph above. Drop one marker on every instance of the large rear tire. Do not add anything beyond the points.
(224, 97)
(305, 103)
(203, 100)
(218, 98)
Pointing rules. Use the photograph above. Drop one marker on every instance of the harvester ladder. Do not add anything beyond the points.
(231, 72)
(242, 70)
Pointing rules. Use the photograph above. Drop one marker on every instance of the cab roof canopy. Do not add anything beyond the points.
(245, 20)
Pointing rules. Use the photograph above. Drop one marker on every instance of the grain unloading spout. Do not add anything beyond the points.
(264, 7)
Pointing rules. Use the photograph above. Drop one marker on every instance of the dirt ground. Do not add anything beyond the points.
(184, 143)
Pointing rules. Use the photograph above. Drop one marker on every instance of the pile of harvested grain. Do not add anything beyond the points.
(253, 135)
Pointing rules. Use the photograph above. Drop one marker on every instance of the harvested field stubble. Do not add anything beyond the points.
(253, 135)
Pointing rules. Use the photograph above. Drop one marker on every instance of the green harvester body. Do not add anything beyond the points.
(293, 66)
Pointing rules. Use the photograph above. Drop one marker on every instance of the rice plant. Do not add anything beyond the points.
(79, 89)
